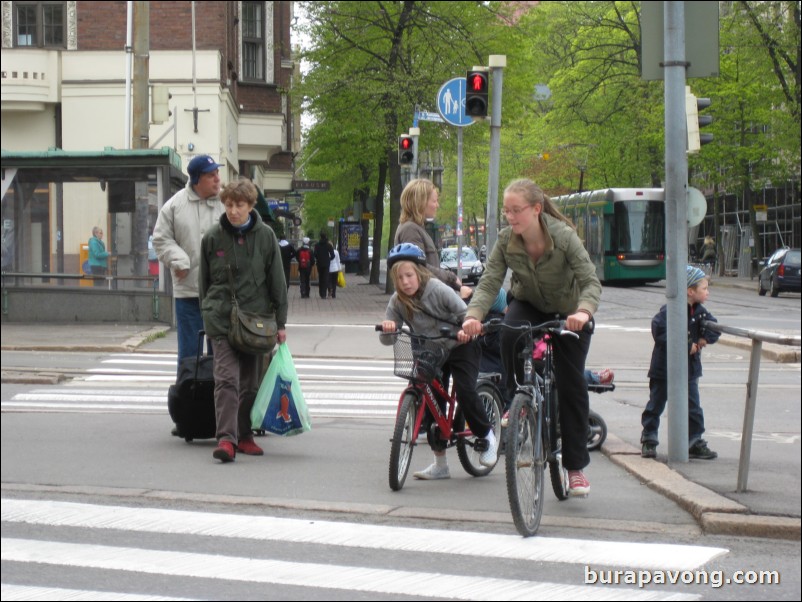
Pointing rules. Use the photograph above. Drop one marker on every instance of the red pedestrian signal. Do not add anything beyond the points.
(406, 150)
(476, 96)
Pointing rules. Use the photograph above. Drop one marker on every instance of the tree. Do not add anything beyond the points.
(372, 65)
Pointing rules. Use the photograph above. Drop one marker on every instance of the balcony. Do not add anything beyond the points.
(30, 78)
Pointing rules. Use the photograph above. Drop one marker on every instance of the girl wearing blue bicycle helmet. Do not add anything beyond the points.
(426, 304)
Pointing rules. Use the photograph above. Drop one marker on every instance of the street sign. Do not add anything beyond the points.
(428, 116)
(451, 102)
(310, 185)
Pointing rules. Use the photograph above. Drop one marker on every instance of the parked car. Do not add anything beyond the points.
(370, 250)
(780, 273)
(472, 268)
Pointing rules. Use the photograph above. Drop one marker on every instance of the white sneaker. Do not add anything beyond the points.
(489, 457)
(433, 473)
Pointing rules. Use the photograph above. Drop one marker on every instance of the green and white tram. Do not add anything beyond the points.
(623, 230)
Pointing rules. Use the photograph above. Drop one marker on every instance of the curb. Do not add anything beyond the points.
(781, 354)
(715, 514)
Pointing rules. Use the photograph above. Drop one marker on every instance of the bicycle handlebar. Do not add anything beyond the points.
(445, 333)
(552, 326)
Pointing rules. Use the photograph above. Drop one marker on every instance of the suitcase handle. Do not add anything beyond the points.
(201, 341)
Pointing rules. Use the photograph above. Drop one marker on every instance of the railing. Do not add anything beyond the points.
(111, 280)
(758, 338)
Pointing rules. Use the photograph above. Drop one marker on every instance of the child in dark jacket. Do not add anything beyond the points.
(698, 338)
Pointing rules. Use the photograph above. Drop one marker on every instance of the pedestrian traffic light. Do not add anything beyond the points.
(695, 121)
(406, 150)
(476, 93)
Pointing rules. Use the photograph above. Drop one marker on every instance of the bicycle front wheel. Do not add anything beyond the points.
(403, 441)
(468, 456)
(525, 464)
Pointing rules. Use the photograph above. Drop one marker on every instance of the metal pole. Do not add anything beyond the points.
(459, 203)
(676, 229)
(749, 415)
(497, 62)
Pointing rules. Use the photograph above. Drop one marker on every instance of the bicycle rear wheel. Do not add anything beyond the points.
(468, 456)
(403, 441)
(525, 464)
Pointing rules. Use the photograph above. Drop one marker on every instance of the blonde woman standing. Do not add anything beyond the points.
(420, 200)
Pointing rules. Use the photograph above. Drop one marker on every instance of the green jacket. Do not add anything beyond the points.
(258, 274)
(563, 280)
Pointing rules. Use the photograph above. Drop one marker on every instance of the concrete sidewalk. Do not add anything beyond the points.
(361, 304)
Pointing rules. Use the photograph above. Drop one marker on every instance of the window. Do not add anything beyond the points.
(40, 24)
(253, 41)
(256, 24)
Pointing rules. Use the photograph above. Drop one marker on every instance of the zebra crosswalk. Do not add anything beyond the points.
(318, 558)
(137, 383)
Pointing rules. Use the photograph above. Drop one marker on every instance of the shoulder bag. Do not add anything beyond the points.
(250, 332)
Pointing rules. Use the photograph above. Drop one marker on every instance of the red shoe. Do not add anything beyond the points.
(578, 485)
(606, 377)
(249, 448)
(224, 451)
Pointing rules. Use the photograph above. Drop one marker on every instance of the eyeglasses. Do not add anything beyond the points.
(514, 210)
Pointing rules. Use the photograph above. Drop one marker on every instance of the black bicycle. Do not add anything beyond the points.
(532, 439)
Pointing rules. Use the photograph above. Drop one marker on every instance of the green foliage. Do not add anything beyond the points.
(373, 63)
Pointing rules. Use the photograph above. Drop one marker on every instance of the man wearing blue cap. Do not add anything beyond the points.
(698, 338)
(182, 222)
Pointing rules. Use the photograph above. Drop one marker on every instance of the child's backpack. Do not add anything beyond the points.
(304, 258)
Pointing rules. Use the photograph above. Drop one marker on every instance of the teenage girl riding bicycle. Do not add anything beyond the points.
(426, 305)
(552, 274)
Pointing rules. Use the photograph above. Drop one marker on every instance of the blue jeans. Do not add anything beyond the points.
(189, 321)
(658, 396)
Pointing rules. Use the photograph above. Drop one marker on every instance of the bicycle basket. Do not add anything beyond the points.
(418, 359)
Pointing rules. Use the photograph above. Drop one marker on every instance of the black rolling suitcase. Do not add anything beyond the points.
(190, 400)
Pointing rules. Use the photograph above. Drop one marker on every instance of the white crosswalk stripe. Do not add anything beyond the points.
(172, 529)
(137, 383)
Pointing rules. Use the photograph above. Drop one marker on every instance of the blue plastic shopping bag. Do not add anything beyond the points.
(280, 407)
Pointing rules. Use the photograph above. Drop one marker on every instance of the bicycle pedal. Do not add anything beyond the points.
(481, 445)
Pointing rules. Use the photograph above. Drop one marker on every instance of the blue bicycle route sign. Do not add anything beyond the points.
(451, 102)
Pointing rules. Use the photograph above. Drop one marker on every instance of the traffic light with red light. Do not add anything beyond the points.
(476, 100)
(406, 150)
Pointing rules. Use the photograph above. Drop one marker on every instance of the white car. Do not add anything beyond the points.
(472, 268)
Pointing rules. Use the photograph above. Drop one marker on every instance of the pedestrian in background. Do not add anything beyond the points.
(98, 256)
(419, 204)
(287, 255)
(335, 267)
(243, 249)
(305, 262)
(323, 253)
(552, 274)
(182, 223)
(698, 338)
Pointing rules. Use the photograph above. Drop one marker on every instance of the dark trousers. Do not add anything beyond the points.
(236, 381)
(323, 280)
(99, 271)
(333, 284)
(463, 363)
(303, 277)
(572, 388)
(658, 397)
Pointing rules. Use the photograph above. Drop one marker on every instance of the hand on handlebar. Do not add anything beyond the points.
(471, 327)
(388, 326)
(576, 322)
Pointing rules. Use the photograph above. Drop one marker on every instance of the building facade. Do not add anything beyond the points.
(218, 76)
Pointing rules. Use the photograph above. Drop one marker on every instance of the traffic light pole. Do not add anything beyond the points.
(497, 62)
(674, 66)
(459, 203)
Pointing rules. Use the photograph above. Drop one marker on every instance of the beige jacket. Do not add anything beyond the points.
(182, 222)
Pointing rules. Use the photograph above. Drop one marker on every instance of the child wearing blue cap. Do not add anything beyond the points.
(698, 338)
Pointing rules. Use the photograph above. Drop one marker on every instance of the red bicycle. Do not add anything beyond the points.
(419, 360)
